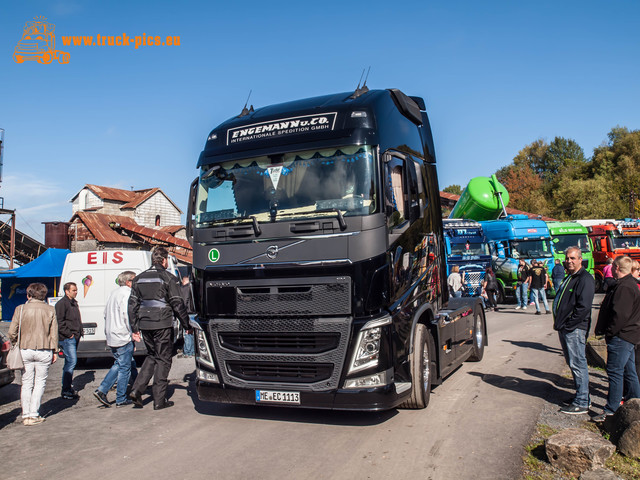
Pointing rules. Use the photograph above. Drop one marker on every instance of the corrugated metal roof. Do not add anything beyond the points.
(98, 225)
(141, 197)
(172, 229)
(131, 226)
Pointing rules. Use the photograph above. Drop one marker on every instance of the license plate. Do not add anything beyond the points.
(269, 396)
(89, 330)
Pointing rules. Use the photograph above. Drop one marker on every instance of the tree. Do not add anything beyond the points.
(455, 189)
(524, 187)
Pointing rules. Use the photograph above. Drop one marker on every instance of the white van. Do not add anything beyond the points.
(96, 275)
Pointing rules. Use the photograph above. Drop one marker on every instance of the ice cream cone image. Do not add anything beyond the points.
(87, 281)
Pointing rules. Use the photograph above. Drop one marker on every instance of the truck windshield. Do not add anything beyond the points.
(626, 242)
(530, 248)
(562, 242)
(300, 184)
(470, 248)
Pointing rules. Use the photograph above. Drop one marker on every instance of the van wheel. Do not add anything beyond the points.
(479, 323)
(422, 363)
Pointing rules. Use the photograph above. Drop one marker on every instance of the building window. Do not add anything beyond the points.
(157, 220)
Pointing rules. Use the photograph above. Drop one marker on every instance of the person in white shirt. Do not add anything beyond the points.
(121, 340)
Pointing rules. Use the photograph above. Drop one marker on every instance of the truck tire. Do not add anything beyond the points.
(500, 298)
(422, 368)
(598, 284)
(479, 332)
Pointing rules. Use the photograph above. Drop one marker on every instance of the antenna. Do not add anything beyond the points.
(364, 85)
(245, 111)
(360, 90)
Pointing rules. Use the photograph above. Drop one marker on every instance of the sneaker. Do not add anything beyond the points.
(126, 403)
(548, 312)
(72, 395)
(102, 398)
(37, 420)
(602, 417)
(538, 312)
(569, 401)
(27, 421)
(518, 307)
(524, 308)
(574, 410)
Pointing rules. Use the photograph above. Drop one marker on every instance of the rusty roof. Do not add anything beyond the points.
(130, 198)
(172, 229)
(98, 225)
(130, 226)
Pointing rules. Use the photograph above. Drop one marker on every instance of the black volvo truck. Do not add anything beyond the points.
(318, 258)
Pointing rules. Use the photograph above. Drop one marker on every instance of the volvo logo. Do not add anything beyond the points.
(272, 252)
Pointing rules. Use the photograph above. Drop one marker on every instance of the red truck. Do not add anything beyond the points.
(612, 239)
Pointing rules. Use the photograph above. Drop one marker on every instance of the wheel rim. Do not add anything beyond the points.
(425, 366)
(479, 333)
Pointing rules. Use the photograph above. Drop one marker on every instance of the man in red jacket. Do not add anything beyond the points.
(619, 322)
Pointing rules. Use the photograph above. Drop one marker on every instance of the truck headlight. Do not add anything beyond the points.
(367, 351)
(203, 354)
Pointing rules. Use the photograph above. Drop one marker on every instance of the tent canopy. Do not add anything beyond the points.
(49, 264)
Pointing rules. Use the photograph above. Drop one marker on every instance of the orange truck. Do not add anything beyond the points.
(611, 239)
(38, 43)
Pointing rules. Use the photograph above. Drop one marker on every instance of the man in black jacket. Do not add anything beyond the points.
(619, 322)
(69, 333)
(572, 320)
(155, 298)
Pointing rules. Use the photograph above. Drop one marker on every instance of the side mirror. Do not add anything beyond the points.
(190, 210)
(501, 253)
(603, 244)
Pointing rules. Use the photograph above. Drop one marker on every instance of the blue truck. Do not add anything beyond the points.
(466, 246)
(511, 239)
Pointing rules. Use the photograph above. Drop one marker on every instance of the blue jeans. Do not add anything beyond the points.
(521, 294)
(70, 349)
(121, 370)
(539, 293)
(189, 348)
(573, 346)
(621, 370)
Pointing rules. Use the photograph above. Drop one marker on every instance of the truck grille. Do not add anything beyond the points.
(279, 342)
(291, 298)
(472, 282)
(276, 333)
(280, 372)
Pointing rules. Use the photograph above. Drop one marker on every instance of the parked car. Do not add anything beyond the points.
(6, 375)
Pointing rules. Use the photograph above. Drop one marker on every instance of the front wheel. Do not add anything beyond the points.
(478, 335)
(422, 368)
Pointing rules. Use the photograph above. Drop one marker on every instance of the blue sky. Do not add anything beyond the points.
(495, 75)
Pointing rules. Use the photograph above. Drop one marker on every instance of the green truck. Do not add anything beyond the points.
(571, 234)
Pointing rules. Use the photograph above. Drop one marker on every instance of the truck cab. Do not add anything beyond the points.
(467, 247)
(571, 234)
(318, 258)
(612, 239)
(511, 239)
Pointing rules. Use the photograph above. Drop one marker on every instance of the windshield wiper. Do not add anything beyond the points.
(254, 222)
(341, 222)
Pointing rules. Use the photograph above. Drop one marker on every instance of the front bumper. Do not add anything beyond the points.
(372, 399)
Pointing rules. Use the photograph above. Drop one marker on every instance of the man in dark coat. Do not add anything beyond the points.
(619, 322)
(572, 320)
(155, 299)
(557, 274)
(69, 333)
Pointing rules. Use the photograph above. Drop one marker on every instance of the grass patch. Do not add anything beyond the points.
(536, 465)
(627, 468)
